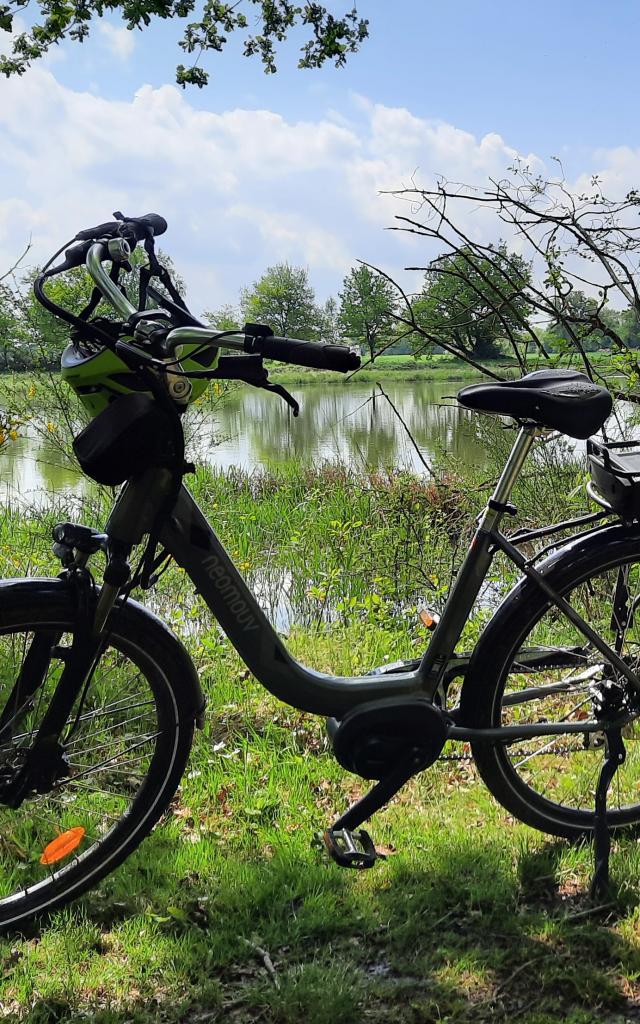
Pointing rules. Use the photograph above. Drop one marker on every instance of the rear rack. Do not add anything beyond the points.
(615, 476)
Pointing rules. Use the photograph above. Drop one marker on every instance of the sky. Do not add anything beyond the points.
(257, 169)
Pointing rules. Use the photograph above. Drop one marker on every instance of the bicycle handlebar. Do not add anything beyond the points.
(305, 353)
(287, 350)
(103, 242)
(132, 230)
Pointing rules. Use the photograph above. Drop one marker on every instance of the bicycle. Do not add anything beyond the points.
(99, 699)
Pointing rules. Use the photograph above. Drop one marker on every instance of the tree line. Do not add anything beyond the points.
(282, 298)
(462, 308)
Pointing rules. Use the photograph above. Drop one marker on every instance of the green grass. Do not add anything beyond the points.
(228, 912)
(403, 367)
(472, 917)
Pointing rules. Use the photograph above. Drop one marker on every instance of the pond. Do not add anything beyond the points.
(350, 422)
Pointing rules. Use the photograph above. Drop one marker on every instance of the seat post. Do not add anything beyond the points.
(502, 492)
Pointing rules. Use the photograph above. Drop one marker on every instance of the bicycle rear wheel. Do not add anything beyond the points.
(125, 746)
(546, 671)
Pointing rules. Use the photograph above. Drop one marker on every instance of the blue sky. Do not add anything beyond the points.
(256, 168)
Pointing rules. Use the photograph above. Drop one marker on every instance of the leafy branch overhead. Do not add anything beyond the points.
(261, 23)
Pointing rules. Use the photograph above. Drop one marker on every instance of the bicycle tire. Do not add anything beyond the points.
(127, 747)
(531, 778)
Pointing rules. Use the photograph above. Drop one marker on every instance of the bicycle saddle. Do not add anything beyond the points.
(563, 400)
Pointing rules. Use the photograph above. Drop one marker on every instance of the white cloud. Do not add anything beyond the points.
(294, 237)
(119, 41)
(240, 188)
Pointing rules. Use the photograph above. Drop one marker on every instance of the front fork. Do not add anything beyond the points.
(45, 760)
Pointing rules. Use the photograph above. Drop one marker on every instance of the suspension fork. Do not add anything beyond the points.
(89, 638)
(30, 678)
(45, 761)
(133, 515)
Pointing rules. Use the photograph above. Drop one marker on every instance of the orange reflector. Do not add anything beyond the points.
(62, 845)
(426, 619)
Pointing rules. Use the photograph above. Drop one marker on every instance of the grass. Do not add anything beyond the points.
(228, 912)
(385, 367)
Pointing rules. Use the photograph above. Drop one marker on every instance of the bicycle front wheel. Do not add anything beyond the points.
(547, 671)
(119, 758)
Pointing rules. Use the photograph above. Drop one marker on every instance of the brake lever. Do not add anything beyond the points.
(278, 389)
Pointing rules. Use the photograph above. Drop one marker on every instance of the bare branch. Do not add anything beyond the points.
(15, 266)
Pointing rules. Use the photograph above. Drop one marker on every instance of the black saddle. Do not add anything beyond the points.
(563, 400)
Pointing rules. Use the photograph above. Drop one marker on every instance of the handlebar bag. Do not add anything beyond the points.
(130, 435)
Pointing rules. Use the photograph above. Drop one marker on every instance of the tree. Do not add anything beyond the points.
(328, 37)
(284, 300)
(330, 326)
(468, 302)
(367, 302)
(12, 339)
(629, 329)
(226, 318)
(579, 315)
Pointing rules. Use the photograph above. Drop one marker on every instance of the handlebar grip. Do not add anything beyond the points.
(151, 220)
(310, 353)
(134, 226)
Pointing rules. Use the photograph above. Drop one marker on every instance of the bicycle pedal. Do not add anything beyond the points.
(350, 849)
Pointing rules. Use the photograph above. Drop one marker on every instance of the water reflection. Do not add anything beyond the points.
(350, 422)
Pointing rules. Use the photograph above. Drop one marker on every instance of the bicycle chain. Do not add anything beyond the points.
(513, 753)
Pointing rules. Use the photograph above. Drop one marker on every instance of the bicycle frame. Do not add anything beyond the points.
(189, 538)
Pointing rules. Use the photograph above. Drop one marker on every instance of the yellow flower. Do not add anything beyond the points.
(51, 427)
(13, 434)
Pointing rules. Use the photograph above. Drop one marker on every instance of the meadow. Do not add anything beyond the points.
(229, 911)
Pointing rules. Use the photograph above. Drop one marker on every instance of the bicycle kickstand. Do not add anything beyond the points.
(615, 757)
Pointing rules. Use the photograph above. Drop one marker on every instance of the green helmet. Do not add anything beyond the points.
(99, 376)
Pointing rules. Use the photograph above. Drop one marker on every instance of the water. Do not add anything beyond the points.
(250, 428)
